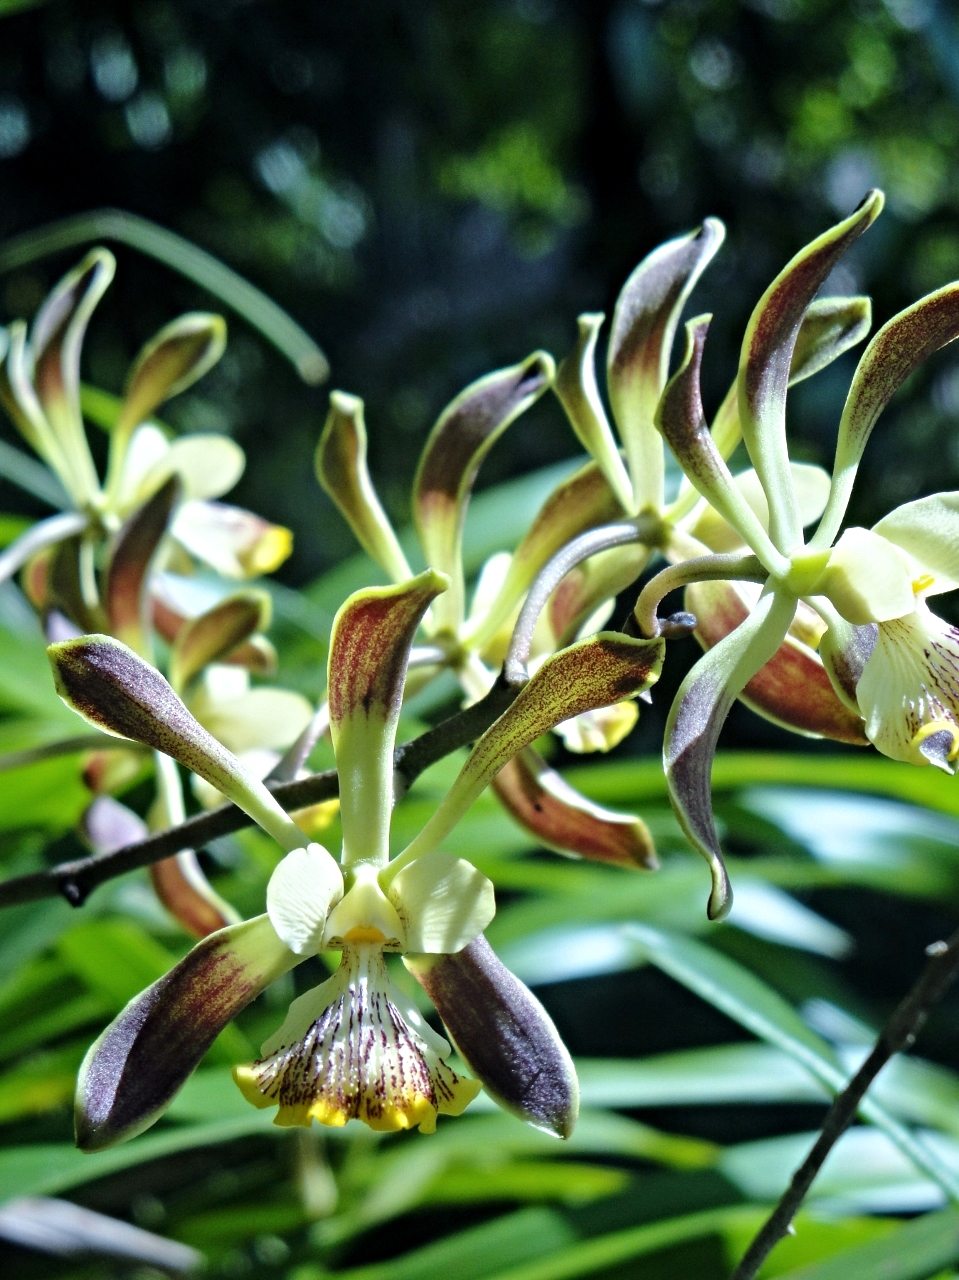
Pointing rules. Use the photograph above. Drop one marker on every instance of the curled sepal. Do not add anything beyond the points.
(173, 359)
(136, 544)
(56, 339)
(504, 1034)
(369, 652)
(681, 420)
(184, 890)
(695, 719)
(216, 634)
(596, 672)
(235, 542)
(464, 433)
(900, 347)
(829, 327)
(443, 902)
(135, 1068)
(342, 471)
(766, 358)
(578, 504)
(579, 395)
(116, 690)
(544, 803)
(794, 688)
(644, 323)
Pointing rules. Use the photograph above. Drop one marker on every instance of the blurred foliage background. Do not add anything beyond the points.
(434, 189)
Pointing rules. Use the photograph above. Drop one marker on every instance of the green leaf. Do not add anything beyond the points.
(749, 1001)
(913, 1252)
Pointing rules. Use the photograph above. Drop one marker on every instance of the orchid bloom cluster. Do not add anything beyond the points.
(354, 1047)
(474, 642)
(114, 562)
(859, 595)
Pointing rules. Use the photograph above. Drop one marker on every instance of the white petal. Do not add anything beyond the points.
(928, 532)
(266, 719)
(599, 730)
(148, 446)
(867, 578)
(302, 889)
(234, 542)
(208, 465)
(444, 903)
(812, 489)
(909, 689)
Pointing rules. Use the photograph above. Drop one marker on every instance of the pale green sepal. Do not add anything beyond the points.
(766, 361)
(928, 532)
(341, 469)
(444, 903)
(579, 395)
(812, 490)
(115, 689)
(696, 718)
(302, 889)
(369, 652)
(866, 578)
(640, 343)
(592, 673)
(20, 399)
(900, 346)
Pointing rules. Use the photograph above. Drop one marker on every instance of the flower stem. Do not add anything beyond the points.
(714, 568)
(899, 1033)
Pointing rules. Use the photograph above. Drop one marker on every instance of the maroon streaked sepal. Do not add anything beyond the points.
(644, 324)
(504, 1034)
(591, 584)
(695, 719)
(829, 327)
(369, 652)
(173, 359)
(217, 634)
(544, 804)
(133, 1071)
(125, 593)
(183, 889)
(342, 471)
(464, 433)
(766, 359)
(793, 689)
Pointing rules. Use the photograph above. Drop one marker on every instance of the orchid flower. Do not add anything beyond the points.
(354, 1047)
(40, 391)
(473, 642)
(890, 660)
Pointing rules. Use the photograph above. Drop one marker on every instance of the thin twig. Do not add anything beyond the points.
(899, 1033)
(75, 880)
(63, 747)
(38, 537)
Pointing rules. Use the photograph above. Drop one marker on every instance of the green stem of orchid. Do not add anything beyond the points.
(45, 534)
(515, 668)
(736, 567)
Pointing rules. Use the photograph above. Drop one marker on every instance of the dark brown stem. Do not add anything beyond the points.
(77, 879)
(898, 1034)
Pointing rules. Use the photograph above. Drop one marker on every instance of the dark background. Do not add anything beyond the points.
(433, 189)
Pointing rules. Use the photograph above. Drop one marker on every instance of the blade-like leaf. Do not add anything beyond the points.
(644, 324)
(369, 651)
(463, 435)
(766, 359)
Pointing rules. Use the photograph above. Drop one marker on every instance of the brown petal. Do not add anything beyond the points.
(503, 1032)
(130, 560)
(793, 688)
(216, 633)
(544, 803)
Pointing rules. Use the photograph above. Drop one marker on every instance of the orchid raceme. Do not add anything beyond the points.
(354, 1047)
(41, 393)
(473, 642)
(891, 661)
